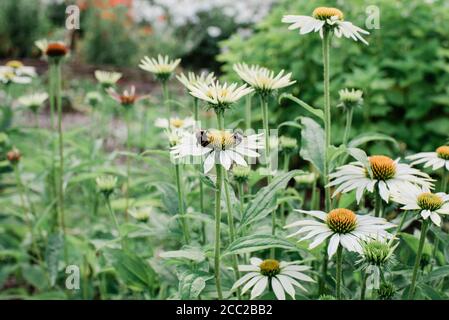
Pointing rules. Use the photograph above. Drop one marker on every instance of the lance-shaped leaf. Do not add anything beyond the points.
(258, 242)
(371, 136)
(316, 112)
(264, 202)
(312, 143)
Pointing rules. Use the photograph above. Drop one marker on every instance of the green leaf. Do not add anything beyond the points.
(256, 243)
(135, 272)
(346, 199)
(192, 284)
(189, 253)
(361, 156)
(371, 136)
(413, 243)
(316, 112)
(430, 292)
(264, 201)
(52, 255)
(438, 273)
(292, 124)
(35, 276)
(169, 196)
(312, 143)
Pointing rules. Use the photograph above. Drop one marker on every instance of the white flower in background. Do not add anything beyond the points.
(193, 79)
(329, 18)
(7, 76)
(436, 160)
(281, 276)
(350, 98)
(387, 174)
(219, 95)
(427, 204)
(93, 98)
(219, 147)
(214, 31)
(18, 68)
(33, 101)
(106, 78)
(162, 67)
(262, 79)
(141, 214)
(343, 227)
(175, 123)
(53, 49)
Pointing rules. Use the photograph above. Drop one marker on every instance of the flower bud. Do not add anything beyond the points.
(141, 214)
(287, 144)
(106, 184)
(386, 291)
(13, 156)
(350, 98)
(241, 173)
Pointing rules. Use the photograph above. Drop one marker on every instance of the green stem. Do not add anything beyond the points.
(248, 104)
(378, 202)
(422, 240)
(203, 224)
(181, 204)
(241, 198)
(363, 289)
(128, 161)
(327, 115)
(114, 218)
(218, 189)
(266, 129)
(349, 115)
(339, 274)
(166, 96)
(444, 180)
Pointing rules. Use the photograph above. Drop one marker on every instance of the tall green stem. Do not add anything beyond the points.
(220, 121)
(363, 289)
(218, 188)
(181, 203)
(422, 239)
(248, 104)
(378, 202)
(203, 224)
(339, 274)
(166, 96)
(114, 218)
(57, 93)
(241, 198)
(266, 129)
(327, 115)
(128, 160)
(349, 115)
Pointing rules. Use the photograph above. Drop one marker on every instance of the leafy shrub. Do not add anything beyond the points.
(21, 23)
(109, 37)
(403, 72)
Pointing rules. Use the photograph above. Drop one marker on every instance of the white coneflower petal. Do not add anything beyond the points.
(162, 67)
(281, 276)
(342, 227)
(193, 79)
(107, 78)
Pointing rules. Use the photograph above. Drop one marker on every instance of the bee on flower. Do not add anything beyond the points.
(107, 79)
(382, 173)
(162, 67)
(218, 147)
(263, 80)
(282, 277)
(325, 18)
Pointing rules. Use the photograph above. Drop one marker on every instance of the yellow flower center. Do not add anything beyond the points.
(429, 201)
(221, 139)
(270, 267)
(341, 220)
(16, 64)
(323, 13)
(383, 167)
(176, 123)
(443, 152)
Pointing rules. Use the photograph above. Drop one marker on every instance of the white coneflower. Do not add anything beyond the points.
(106, 184)
(141, 214)
(220, 96)
(218, 147)
(331, 19)
(193, 79)
(175, 123)
(127, 98)
(106, 78)
(427, 204)
(350, 98)
(33, 101)
(281, 276)
(437, 159)
(93, 98)
(263, 80)
(162, 67)
(383, 173)
(18, 68)
(343, 227)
